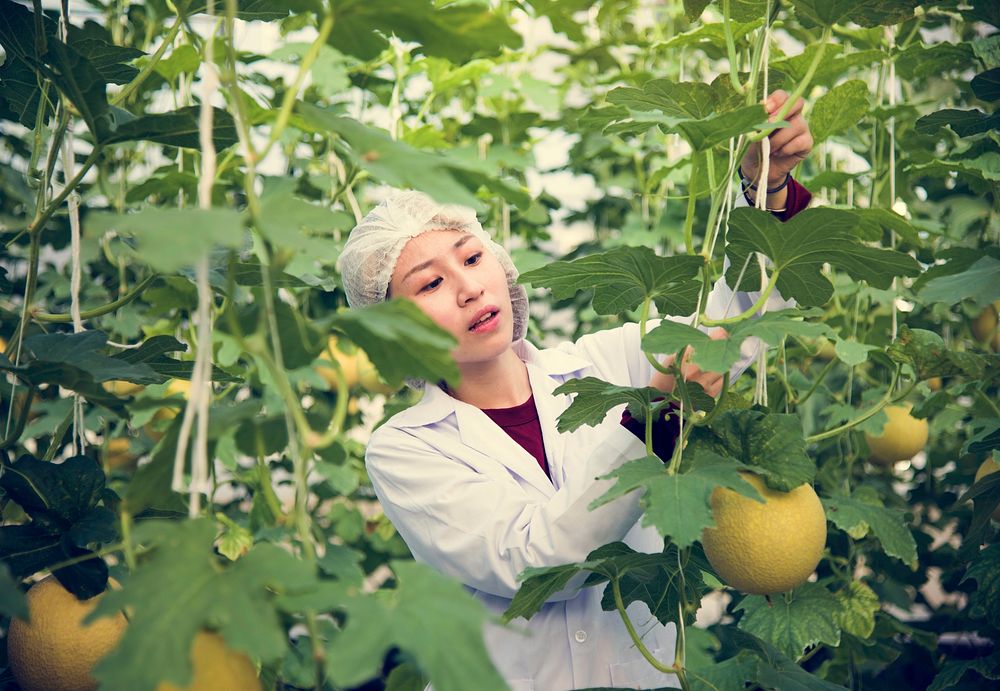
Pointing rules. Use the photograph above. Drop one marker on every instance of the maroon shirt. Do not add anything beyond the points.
(521, 421)
(522, 425)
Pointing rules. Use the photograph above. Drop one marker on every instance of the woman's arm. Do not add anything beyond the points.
(483, 528)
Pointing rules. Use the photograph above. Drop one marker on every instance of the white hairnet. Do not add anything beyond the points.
(374, 246)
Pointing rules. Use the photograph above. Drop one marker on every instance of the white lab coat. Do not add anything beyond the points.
(469, 501)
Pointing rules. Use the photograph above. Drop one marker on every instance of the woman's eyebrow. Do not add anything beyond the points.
(423, 265)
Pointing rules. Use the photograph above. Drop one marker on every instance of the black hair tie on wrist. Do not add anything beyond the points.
(748, 184)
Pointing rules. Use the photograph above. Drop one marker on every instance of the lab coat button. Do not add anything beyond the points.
(580, 636)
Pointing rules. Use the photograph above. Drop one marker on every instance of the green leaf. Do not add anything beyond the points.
(458, 31)
(983, 167)
(667, 583)
(678, 505)
(860, 517)
(824, 12)
(858, 605)
(20, 94)
(953, 671)
(181, 587)
(832, 66)
(395, 163)
(872, 223)
(452, 652)
(919, 60)
(12, 600)
(986, 85)
(719, 355)
(75, 360)
(964, 123)
(177, 128)
(108, 59)
(622, 278)
(839, 109)
(701, 113)
(343, 563)
(792, 623)
(284, 219)
(929, 356)
(594, 398)
(770, 444)
(401, 341)
(694, 8)
(799, 247)
(980, 283)
(184, 59)
(79, 82)
(54, 494)
(985, 599)
(169, 239)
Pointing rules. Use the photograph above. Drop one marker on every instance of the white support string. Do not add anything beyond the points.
(891, 37)
(196, 410)
(760, 391)
(73, 205)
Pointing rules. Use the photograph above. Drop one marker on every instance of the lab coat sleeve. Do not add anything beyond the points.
(483, 529)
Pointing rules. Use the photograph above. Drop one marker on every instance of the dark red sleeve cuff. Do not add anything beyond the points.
(666, 430)
(798, 199)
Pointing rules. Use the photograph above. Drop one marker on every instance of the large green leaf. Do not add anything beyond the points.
(80, 82)
(979, 283)
(929, 356)
(594, 398)
(458, 31)
(451, 652)
(964, 123)
(401, 341)
(704, 114)
(953, 672)
(622, 278)
(859, 517)
(719, 355)
(169, 239)
(393, 162)
(986, 85)
(76, 360)
(799, 247)
(832, 66)
(286, 219)
(839, 109)
(770, 444)
(808, 616)
(678, 505)
(825, 12)
(181, 587)
(63, 501)
(108, 59)
(20, 94)
(177, 128)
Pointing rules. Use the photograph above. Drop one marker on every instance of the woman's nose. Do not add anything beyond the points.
(469, 290)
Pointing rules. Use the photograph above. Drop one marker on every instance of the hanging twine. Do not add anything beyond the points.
(196, 410)
(891, 37)
(760, 391)
(73, 205)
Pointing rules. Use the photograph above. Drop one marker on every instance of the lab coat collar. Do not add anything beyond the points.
(546, 370)
(436, 405)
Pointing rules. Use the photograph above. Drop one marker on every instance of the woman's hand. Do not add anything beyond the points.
(711, 382)
(789, 145)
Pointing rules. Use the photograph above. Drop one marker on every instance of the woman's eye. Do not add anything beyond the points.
(432, 285)
(474, 259)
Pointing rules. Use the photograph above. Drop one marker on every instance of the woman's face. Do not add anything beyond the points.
(461, 286)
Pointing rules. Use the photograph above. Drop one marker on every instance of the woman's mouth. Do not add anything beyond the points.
(486, 321)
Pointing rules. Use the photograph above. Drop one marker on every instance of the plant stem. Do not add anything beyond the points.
(288, 101)
(734, 70)
(97, 311)
(689, 217)
(882, 403)
(620, 606)
(817, 382)
(51, 207)
(150, 65)
(761, 301)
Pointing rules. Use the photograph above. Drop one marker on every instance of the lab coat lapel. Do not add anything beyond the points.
(486, 437)
(549, 407)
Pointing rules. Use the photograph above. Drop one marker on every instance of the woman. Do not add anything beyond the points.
(476, 478)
